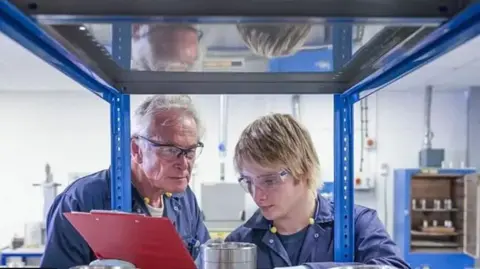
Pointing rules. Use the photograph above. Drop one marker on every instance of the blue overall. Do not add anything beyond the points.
(313, 247)
(65, 247)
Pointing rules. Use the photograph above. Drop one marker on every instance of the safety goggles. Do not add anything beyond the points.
(265, 182)
(171, 152)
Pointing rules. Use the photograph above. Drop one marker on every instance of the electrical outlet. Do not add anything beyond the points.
(364, 183)
(384, 170)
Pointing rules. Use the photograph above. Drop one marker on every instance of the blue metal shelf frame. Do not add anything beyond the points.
(344, 236)
(450, 35)
(23, 255)
(120, 172)
(26, 32)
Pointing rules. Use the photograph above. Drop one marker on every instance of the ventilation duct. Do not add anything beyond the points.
(429, 157)
(427, 142)
(296, 106)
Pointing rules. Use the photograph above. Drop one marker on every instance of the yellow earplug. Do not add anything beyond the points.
(311, 221)
(168, 194)
(146, 200)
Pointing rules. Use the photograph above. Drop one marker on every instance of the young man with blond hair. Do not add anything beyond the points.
(293, 226)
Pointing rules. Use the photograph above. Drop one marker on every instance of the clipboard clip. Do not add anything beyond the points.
(101, 211)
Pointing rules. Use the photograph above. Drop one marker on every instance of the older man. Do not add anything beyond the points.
(164, 146)
(165, 47)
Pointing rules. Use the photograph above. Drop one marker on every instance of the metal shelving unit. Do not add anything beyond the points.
(417, 32)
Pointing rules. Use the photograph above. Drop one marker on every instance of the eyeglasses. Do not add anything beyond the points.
(171, 152)
(265, 182)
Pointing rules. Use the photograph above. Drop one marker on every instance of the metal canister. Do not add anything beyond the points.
(99, 267)
(107, 264)
(228, 255)
(364, 266)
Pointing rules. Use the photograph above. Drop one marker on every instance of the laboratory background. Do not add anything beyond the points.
(416, 146)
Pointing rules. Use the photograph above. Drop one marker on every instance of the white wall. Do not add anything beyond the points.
(70, 130)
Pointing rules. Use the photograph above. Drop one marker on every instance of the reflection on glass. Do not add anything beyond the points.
(244, 47)
(165, 47)
(274, 40)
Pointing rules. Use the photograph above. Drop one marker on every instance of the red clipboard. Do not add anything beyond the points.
(147, 242)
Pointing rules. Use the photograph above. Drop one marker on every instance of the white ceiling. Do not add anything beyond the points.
(458, 69)
(455, 70)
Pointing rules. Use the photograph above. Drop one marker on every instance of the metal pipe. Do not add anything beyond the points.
(296, 106)
(469, 111)
(427, 118)
(222, 146)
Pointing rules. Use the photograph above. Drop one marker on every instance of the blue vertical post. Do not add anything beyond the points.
(120, 185)
(121, 190)
(341, 44)
(122, 44)
(343, 151)
(343, 180)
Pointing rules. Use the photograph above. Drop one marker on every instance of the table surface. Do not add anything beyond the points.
(9, 251)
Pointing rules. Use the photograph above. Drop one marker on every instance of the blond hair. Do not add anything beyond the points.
(279, 139)
(274, 40)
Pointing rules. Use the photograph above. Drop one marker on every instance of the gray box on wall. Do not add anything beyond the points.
(431, 157)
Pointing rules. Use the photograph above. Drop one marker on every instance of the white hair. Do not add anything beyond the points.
(155, 104)
(146, 59)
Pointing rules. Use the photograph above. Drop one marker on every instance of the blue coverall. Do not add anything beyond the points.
(65, 247)
(315, 248)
